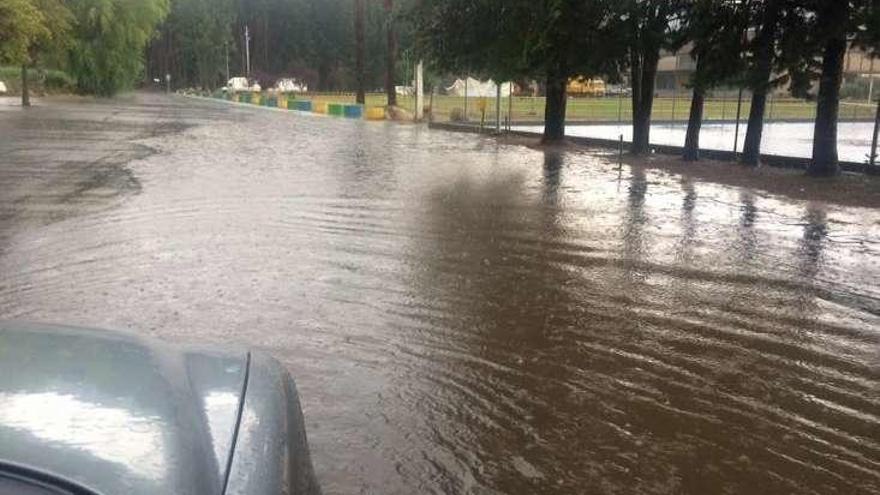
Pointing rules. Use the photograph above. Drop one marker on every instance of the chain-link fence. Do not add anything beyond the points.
(787, 132)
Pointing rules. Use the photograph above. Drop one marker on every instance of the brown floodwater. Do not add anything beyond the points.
(464, 316)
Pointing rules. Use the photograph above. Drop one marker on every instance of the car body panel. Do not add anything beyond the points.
(116, 413)
(271, 455)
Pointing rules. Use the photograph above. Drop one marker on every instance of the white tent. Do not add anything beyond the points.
(476, 88)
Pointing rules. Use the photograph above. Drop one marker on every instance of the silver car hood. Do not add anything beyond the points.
(116, 413)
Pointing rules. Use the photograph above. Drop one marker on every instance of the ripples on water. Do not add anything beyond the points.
(463, 316)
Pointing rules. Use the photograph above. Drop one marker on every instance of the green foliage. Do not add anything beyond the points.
(509, 39)
(311, 40)
(716, 31)
(201, 30)
(22, 24)
(109, 40)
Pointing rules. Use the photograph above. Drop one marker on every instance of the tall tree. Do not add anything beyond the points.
(834, 21)
(390, 90)
(715, 29)
(29, 29)
(552, 40)
(758, 75)
(201, 32)
(109, 41)
(360, 50)
(649, 26)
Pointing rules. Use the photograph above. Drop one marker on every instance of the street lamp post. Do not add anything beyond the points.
(226, 46)
(247, 52)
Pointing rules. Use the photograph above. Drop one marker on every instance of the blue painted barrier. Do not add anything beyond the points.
(303, 105)
(354, 111)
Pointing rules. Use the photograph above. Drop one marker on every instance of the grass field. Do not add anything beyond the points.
(609, 109)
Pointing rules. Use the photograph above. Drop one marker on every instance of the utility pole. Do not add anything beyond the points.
(359, 42)
(420, 92)
(226, 45)
(390, 90)
(247, 52)
(466, 77)
(497, 107)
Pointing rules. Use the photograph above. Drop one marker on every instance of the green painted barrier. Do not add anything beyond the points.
(353, 111)
(291, 102)
(336, 109)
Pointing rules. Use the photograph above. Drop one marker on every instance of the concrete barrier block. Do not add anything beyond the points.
(376, 113)
(353, 111)
(336, 109)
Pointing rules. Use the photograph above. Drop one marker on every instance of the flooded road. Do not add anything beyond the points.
(463, 316)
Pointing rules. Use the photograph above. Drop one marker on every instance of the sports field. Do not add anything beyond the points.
(608, 109)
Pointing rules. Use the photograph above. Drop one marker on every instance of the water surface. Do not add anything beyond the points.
(463, 316)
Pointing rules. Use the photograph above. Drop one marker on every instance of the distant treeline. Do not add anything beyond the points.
(313, 40)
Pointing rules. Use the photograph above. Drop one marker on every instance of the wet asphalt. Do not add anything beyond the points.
(463, 316)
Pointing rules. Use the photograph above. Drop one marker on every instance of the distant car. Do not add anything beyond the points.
(239, 84)
(618, 90)
(291, 85)
(580, 86)
(90, 412)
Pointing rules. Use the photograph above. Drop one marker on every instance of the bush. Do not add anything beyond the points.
(57, 81)
(41, 81)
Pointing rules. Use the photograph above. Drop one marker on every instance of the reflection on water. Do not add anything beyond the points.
(469, 317)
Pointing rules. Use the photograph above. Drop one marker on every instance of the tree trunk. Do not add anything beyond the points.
(642, 110)
(390, 91)
(359, 50)
(751, 154)
(636, 83)
(25, 90)
(266, 40)
(760, 85)
(554, 111)
(825, 160)
(695, 122)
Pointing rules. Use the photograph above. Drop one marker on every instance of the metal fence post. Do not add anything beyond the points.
(723, 108)
(497, 107)
(873, 158)
(466, 77)
(509, 107)
(738, 113)
(620, 107)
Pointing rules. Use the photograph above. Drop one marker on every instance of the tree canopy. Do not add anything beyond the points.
(109, 41)
(21, 23)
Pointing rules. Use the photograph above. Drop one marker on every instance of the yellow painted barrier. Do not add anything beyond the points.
(235, 97)
(376, 113)
(319, 107)
(257, 99)
(282, 101)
